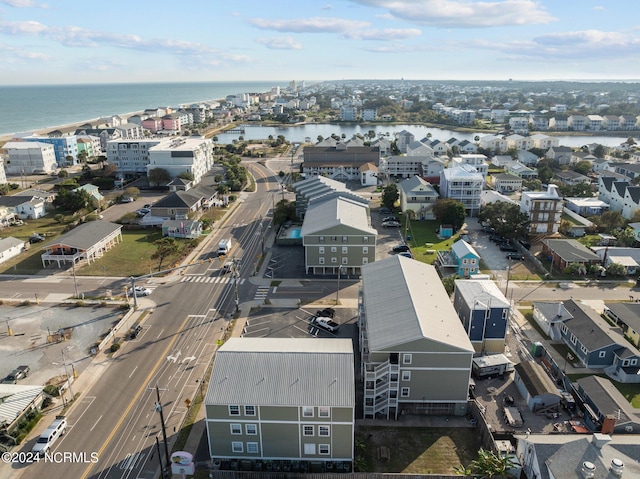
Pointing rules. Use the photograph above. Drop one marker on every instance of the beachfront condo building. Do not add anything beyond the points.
(65, 148)
(192, 154)
(27, 157)
(131, 157)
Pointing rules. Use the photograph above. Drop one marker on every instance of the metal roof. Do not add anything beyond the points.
(15, 399)
(404, 301)
(283, 372)
(535, 379)
(461, 249)
(570, 250)
(86, 235)
(336, 212)
(484, 291)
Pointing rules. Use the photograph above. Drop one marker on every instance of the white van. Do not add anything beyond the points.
(224, 246)
(57, 428)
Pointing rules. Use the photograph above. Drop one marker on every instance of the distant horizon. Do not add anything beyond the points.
(313, 82)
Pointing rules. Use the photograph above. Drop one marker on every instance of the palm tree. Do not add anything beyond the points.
(489, 464)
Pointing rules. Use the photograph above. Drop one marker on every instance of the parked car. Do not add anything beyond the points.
(515, 256)
(17, 374)
(126, 199)
(488, 229)
(148, 205)
(325, 323)
(326, 313)
(390, 218)
(391, 224)
(135, 331)
(406, 254)
(384, 210)
(36, 238)
(508, 247)
(57, 428)
(143, 211)
(400, 248)
(142, 291)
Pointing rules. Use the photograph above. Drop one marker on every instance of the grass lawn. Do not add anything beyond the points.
(132, 256)
(422, 233)
(418, 450)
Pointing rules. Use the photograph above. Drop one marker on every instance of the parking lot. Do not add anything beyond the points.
(30, 327)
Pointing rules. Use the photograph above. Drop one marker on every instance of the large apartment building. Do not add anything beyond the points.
(464, 184)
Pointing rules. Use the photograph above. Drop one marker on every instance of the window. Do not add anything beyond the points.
(321, 250)
(365, 260)
(345, 239)
(249, 410)
(345, 260)
(334, 260)
(236, 428)
(236, 446)
(321, 239)
(323, 449)
(404, 392)
(505, 312)
(321, 260)
(406, 359)
(323, 430)
(309, 448)
(365, 250)
(323, 411)
(584, 350)
(602, 354)
(464, 261)
(252, 447)
(406, 375)
(234, 410)
(345, 249)
(250, 429)
(334, 249)
(365, 239)
(574, 340)
(307, 411)
(634, 362)
(564, 328)
(307, 430)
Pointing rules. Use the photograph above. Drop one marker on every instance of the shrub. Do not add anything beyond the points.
(52, 390)
(80, 304)
(114, 347)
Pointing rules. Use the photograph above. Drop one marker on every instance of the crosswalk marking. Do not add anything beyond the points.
(261, 293)
(210, 279)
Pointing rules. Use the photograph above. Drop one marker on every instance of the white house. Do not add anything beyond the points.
(10, 247)
(28, 157)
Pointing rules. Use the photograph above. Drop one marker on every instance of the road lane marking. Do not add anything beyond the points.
(143, 387)
(96, 423)
(134, 370)
(160, 333)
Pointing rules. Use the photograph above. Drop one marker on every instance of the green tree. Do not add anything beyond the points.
(63, 173)
(448, 211)
(582, 167)
(580, 190)
(390, 195)
(159, 176)
(600, 151)
(490, 464)
(164, 247)
(545, 173)
(132, 191)
(505, 218)
(186, 175)
(73, 201)
(609, 221)
(625, 237)
(616, 269)
(532, 185)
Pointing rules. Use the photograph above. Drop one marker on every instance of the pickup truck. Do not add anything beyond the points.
(18, 373)
(325, 323)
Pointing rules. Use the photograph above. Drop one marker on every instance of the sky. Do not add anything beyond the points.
(124, 41)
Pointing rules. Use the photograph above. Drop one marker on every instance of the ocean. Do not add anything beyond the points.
(28, 108)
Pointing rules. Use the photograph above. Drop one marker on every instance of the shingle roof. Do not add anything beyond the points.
(86, 235)
(283, 372)
(591, 330)
(628, 313)
(410, 184)
(404, 301)
(535, 379)
(608, 399)
(9, 242)
(461, 249)
(571, 251)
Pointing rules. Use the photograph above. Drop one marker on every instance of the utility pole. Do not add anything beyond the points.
(235, 284)
(159, 458)
(164, 429)
(75, 281)
(133, 292)
(338, 290)
(64, 361)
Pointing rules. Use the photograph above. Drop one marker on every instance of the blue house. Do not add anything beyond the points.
(466, 258)
(598, 344)
(484, 312)
(65, 148)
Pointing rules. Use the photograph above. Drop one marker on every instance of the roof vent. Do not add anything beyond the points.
(617, 467)
(588, 470)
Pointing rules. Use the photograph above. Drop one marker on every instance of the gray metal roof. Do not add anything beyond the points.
(9, 242)
(628, 313)
(485, 291)
(336, 212)
(283, 372)
(86, 235)
(16, 398)
(404, 301)
(461, 249)
(550, 311)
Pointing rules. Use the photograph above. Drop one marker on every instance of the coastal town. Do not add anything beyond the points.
(463, 303)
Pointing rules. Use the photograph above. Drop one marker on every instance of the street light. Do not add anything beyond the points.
(338, 290)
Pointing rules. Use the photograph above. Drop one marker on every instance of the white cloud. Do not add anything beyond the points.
(400, 48)
(599, 8)
(464, 13)
(279, 43)
(309, 25)
(23, 3)
(587, 45)
(383, 34)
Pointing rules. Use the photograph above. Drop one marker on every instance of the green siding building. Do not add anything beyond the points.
(280, 404)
